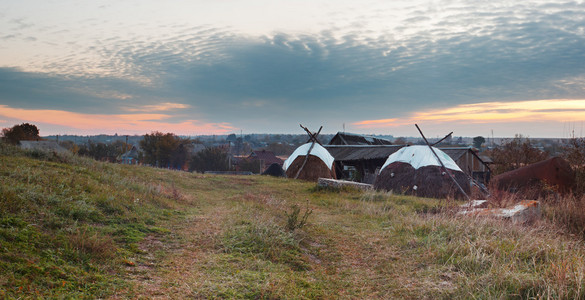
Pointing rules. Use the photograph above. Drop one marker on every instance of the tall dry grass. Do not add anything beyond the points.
(567, 212)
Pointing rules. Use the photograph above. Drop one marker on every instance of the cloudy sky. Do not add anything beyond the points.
(264, 66)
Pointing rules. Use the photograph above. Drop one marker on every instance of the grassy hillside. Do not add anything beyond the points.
(75, 227)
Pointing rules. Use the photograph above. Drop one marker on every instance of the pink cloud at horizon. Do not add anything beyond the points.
(81, 123)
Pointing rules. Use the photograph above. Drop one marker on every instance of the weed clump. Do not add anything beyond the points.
(266, 241)
(292, 219)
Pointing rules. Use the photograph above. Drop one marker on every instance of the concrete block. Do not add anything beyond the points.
(341, 183)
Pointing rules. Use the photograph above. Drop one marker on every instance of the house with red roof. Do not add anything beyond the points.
(265, 158)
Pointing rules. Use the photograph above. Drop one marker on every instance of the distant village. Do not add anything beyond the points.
(286, 143)
(439, 167)
(357, 156)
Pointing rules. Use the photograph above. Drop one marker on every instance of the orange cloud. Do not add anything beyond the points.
(127, 123)
(386, 122)
(158, 107)
(558, 110)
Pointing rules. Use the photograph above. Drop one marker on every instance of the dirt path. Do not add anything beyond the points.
(164, 266)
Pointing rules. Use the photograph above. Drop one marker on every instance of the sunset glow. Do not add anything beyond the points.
(110, 124)
(492, 112)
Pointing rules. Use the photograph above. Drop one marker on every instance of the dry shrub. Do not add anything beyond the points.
(514, 154)
(574, 153)
(478, 193)
(567, 212)
(500, 199)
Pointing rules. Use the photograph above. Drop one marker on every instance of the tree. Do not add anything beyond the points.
(231, 138)
(514, 154)
(158, 148)
(478, 141)
(574, 153)
(98, 151)
(22, 132)
(180, 156)
(210, 159)
(251, 165)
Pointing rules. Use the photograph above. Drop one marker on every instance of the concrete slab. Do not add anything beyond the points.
(522, 212)
(341, 183)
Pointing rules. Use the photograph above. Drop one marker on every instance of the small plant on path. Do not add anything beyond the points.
(292, 219)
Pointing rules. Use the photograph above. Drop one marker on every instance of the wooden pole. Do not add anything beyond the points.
(448, 135)
(442, 165)
(314, 139)
(305, 161)
(481, 187)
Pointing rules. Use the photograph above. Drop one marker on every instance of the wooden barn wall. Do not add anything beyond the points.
(469, 162)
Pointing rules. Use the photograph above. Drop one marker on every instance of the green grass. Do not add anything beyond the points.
(68, 223)
(72, 227)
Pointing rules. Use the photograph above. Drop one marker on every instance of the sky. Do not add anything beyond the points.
(256, 66)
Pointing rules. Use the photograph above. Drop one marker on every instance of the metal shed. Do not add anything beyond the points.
(360, 162)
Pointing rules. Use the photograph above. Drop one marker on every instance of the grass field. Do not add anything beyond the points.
(73, 227)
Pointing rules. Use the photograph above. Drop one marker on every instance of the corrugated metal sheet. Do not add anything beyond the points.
(361, 152)
(345, 138)
(365, 152)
